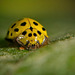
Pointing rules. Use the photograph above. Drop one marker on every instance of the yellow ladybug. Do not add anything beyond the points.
(28, 33)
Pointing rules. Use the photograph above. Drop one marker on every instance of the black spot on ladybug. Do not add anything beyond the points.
(24, 33)
(31, 28)
(16, 29)
(13, 25)
(35, 34)
(8, 33)
(23, 24)
(30, 34)
(11, 34)
(35, 23)
(43, 29)
(39, 32)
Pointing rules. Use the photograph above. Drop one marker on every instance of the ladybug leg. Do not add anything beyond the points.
(38, 44)
(21, 44)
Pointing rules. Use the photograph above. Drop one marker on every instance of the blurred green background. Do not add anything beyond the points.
(58, 17)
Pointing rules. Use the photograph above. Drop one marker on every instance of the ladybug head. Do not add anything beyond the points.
(32, 44)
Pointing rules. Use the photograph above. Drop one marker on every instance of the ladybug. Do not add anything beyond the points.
(28, 34)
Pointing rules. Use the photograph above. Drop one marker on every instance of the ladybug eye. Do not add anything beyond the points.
(24, 33)
(43, 29)
(35, 23)
(30, 34)
(39, 32)
(23, 24)
(33, 45)
(16, 29)
(13, 25)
